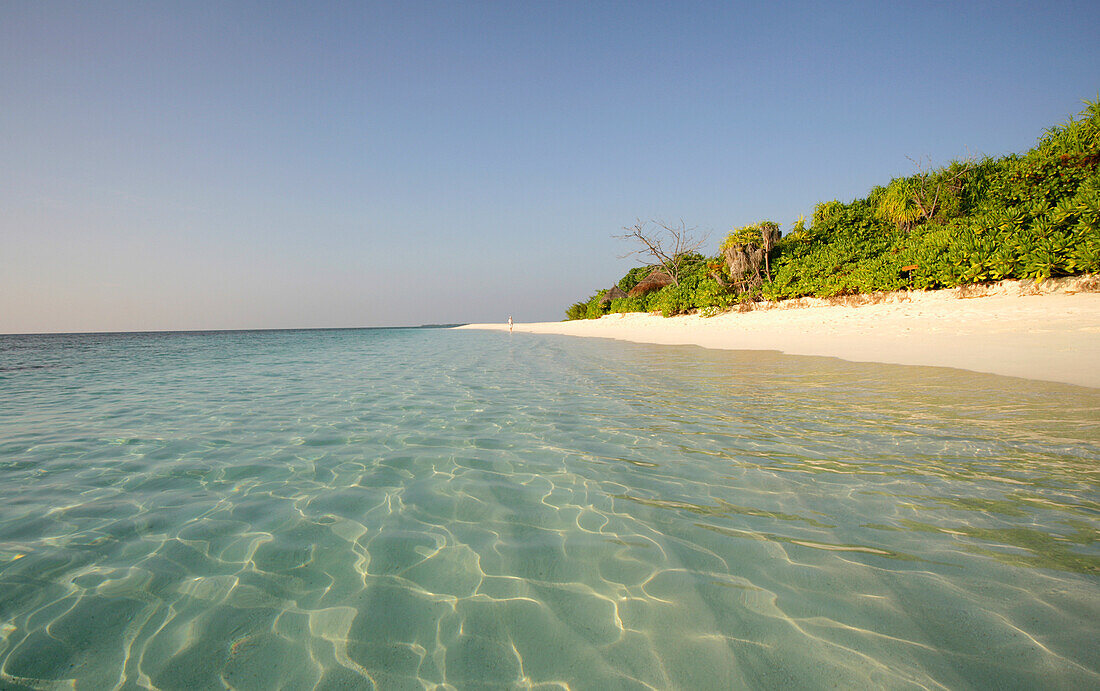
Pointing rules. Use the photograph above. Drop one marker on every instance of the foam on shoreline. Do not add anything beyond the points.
(1048, 331)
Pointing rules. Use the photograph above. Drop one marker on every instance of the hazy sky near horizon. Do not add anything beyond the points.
(210, 165)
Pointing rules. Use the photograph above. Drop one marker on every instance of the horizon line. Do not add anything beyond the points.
(244, 330)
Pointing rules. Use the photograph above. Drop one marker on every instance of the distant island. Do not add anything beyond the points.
(1033, 216)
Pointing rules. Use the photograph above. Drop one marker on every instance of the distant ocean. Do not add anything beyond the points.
(412, 507)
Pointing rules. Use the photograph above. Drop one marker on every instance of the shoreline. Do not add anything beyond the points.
(1048, 331)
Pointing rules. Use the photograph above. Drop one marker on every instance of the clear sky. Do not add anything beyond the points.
(220, 164)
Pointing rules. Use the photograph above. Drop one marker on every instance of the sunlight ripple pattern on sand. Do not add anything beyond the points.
(420, 508)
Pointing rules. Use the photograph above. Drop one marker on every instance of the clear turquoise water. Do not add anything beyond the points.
(410, 508)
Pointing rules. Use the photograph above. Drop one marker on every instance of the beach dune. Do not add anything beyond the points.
(1048, 331)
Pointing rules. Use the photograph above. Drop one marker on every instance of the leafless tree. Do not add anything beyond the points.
(667, 244)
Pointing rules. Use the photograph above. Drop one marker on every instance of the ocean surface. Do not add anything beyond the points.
(410, 508)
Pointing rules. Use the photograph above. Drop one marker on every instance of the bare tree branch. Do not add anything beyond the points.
(667, 244)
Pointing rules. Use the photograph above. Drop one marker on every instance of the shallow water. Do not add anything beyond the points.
(328, 509)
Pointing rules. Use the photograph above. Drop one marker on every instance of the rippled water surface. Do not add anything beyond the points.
(413, 508)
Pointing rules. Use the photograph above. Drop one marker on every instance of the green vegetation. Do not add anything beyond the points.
(1033, 215)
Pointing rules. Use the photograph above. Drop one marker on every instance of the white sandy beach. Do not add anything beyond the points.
(1049, 332)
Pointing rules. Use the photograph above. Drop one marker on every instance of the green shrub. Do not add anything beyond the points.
(634, 277)
(627, 304)
(589, 309)
(594, 309)
(711, 295)
(1032, 215)
(672, 300)
(578, 310)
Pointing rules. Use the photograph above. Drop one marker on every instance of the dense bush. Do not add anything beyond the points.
(1034, 215)
(633, 277)
(577, 310)
(589, 309)
(627, 304)
(595, 309)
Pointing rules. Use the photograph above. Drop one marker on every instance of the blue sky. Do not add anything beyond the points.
(247, 165)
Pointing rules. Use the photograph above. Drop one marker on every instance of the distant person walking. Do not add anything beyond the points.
(509, 323)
